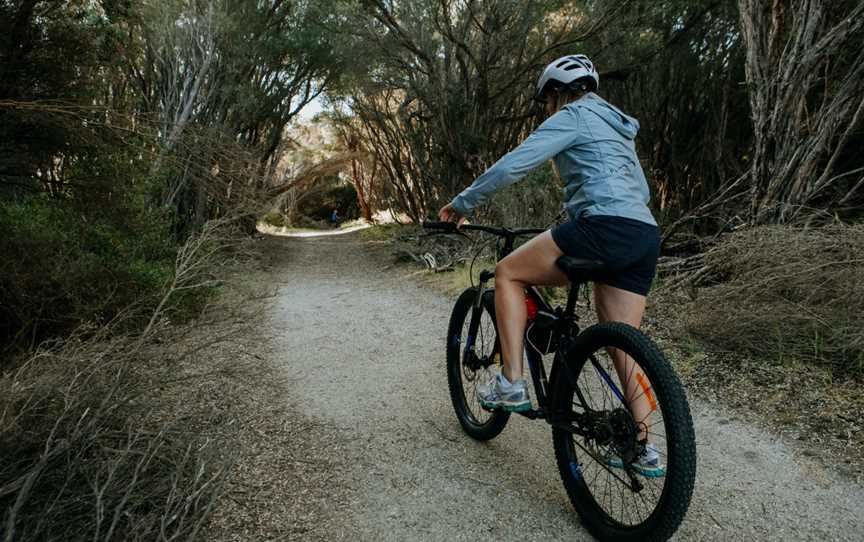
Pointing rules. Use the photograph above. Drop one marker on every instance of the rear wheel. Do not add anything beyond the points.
(620, 411)
(471, 360)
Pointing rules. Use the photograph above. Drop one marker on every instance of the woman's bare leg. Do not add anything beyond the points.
(617, 305)
(532, 264)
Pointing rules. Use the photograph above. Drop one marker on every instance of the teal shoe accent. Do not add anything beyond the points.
(647, 464)
(509, 407)
(499, 393)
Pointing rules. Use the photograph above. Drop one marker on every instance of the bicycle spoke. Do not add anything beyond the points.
(603, 466)
(612, 489)
(484, 343)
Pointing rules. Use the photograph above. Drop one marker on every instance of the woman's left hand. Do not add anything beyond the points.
(449, 214)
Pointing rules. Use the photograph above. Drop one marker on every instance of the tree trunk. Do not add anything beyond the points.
(365, 210)
(805, 72)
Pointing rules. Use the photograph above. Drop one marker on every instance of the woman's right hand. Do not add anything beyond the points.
(449, 214)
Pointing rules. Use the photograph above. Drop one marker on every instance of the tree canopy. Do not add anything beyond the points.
(120, 117)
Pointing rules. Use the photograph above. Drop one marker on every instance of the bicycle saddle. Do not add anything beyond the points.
(579, 269)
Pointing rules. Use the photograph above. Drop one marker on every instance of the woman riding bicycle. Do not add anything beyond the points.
(606, 197)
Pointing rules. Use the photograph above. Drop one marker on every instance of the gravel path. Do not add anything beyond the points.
(362, 347)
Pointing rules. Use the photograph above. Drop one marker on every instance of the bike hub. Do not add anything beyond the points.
(624, 434)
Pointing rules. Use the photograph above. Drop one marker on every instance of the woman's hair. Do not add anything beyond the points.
(562, 96)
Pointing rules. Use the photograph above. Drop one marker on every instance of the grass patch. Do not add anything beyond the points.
(459, 277)
(89, 448)
(769, 323)
(381, 232)
(352, 223)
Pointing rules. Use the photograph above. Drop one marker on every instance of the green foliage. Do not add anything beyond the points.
(62, 268)
(50, 53)
(124, 127)
(275, 218)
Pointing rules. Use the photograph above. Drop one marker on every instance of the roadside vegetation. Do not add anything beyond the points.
(783, 293)
(138, 148)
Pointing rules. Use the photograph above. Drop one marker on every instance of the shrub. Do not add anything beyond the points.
(275, 218)
(107, 435)
(782, 291)
(61, 268)
(84, 454)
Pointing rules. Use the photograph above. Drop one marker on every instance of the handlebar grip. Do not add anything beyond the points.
(443, 226)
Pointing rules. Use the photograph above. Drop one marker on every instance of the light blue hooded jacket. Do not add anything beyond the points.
(592, 143)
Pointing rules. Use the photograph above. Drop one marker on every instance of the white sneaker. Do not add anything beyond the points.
(647, 463)
(500, 393)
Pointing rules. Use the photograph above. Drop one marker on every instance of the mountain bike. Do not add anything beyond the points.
(585, 399)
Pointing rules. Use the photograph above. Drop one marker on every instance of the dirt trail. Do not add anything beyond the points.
(362, 347)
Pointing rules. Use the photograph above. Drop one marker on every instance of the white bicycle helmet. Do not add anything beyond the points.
(565, 71)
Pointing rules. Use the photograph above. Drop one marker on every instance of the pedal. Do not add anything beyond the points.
(533, 414)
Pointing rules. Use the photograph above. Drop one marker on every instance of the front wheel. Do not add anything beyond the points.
(623, 435)
(472, 356)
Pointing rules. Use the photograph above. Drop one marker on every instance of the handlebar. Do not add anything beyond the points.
(450, 227)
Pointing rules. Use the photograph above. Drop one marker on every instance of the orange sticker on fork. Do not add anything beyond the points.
(646, 389)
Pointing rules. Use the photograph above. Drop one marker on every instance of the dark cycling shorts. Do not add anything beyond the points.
(628, 247)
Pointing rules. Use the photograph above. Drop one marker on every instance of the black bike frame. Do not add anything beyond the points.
(564, 324)
(564, 329)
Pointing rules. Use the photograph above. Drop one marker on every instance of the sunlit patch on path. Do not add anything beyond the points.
(283, 232)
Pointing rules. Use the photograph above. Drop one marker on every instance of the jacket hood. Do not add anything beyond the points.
(622, 123)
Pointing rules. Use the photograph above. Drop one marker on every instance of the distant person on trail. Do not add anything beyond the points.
(591, 143)
(334, 217)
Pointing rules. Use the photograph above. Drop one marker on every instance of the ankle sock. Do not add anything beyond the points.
(506, 384)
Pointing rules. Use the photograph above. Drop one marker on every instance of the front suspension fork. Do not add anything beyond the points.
(476, 312)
